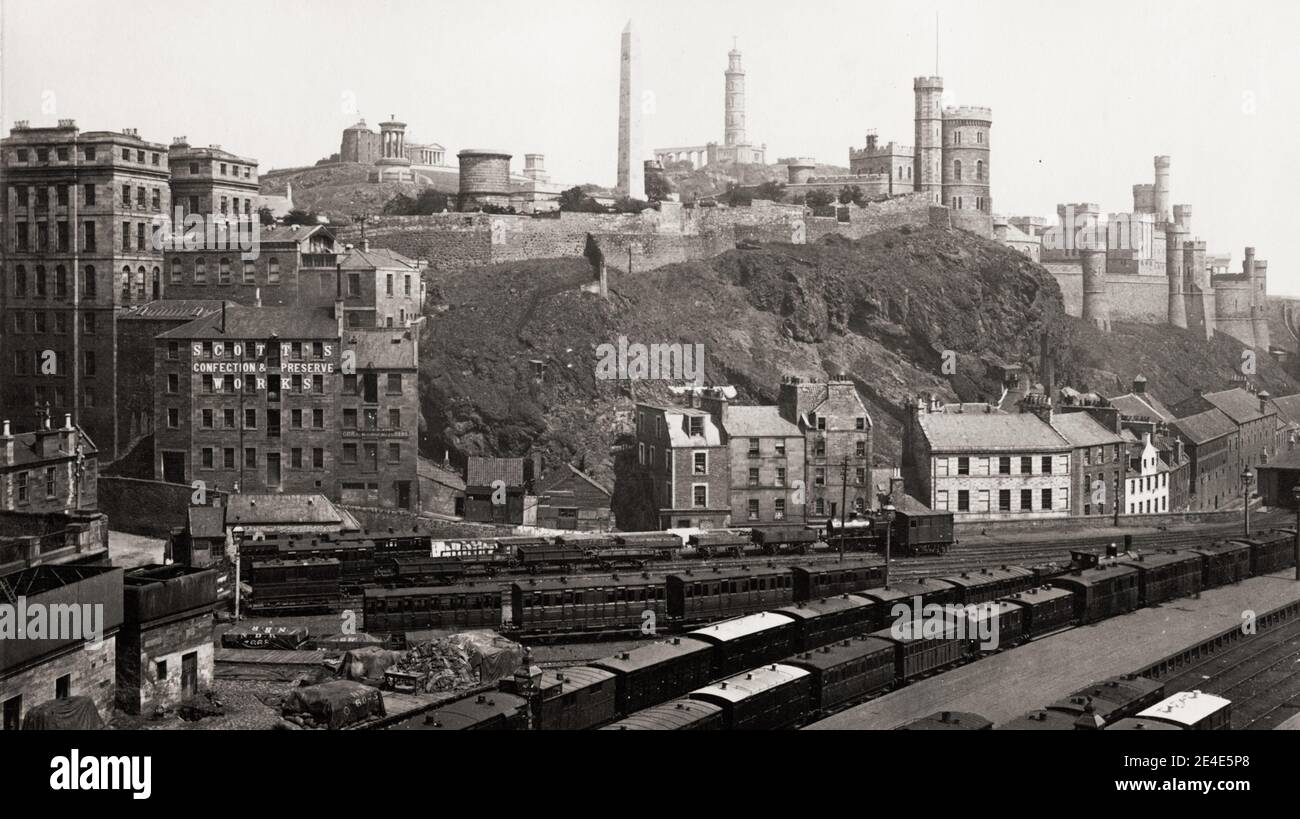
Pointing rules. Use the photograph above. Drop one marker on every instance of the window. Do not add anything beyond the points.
(200, 271)
(819, 448)
(963, 500)
(700, 495)
(208, 418)
(173, 350)
(49, 481)
(860, 449)
(88, 359)
(349, 453)
(207, 457)
(223, 271)
(173, 418)
(1047, 464)
(1026, 499)
(295, 419)
(228, 418)
(273, 271)
(1004, 500)
(394, 419)
(753, 448)
(753, 476)
(318, 458)
(250, 418)
(778, 509)
(318, 419)
(1004, 465)
(394, 453)
(700, 461)
(349, 419)
(407, 284)
(819, 506)
(1026, 466)
(780, 476)
(250, 456)
(354, 284)
(174, 382)
(22, 487)
(394, 383)
(780, 447)
(753, 509)
(963, 466)
(859, 476)
(295, 458)
(388, 284)
(1046, 495)
(63, 687)
(250, 272)
(956, 167)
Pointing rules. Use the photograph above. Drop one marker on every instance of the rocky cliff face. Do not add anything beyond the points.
(509, 353)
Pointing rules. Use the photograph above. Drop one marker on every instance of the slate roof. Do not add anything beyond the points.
(482, 471)
(1082, 430)
(26, 451)
(382, 349)
(375, 258)
(426, 468)
(758, 422)
(258, 508)
(246, 322)
(988, 432)
(564, 472)
(1288, 406)
(1238, 404)
(207, 521)
(1141, 405)
(285, 234)
(1205, 426)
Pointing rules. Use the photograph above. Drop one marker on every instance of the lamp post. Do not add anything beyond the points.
(237, 535)
(889, 536)
(1247, 477)
(1295, 493)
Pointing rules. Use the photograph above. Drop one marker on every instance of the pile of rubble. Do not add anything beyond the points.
(437, 665)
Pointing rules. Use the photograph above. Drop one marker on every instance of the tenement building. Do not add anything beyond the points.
(212, 182)
(836, 433)
(294, 264)
(76, 224)
(980, 463)
(766, 454)
(682, 453)
(48, 470)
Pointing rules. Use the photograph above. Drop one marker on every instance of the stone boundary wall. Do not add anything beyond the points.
(1095, 522)
(1143, 299)
(455, 241)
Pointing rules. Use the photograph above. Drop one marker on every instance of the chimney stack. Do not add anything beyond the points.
(1139, 385)
(7, 444)
(1263, 401)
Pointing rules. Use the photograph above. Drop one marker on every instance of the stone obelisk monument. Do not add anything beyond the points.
(631, 170)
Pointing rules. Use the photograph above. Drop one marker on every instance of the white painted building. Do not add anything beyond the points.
(1147, 484)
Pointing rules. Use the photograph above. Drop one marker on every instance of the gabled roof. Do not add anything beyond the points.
(382, 348)
(1205, 426)
(1081, 430)
(282, 234)
(426, 468)
(569, 469)
(993, 432)
(1288, 406)
(375, 258)
(1145, 404)
(26, 452)
(758, 422)
(254, 508)
(244, 322)
(480, 471)
(1238, 404)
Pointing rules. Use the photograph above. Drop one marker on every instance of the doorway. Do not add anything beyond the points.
(190, 675)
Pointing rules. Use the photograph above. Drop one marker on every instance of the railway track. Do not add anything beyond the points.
(1261, 676)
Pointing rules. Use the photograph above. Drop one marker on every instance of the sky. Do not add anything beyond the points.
(1083, 95)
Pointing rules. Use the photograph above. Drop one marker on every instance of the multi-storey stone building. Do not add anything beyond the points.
(1146, 489)
(1255, 418)
(48, 470)
(766, 454)
(683, 454)
(1211, 447)
(1096, 463)
(293, 265)
(76, 213)
(212, 182)
(837, 443)
(980, 463)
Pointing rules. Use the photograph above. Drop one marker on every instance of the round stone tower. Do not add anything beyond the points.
(1260, 307)
(1175, 235)
(966, 158)
(1162, 189)
(928, 157)
(1183, 217)
(359, 145)
(734, 128)
(484, 178)
(799, 170)
(1096, 307)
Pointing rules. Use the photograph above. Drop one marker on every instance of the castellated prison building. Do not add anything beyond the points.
(948, 162)
(1146, 266)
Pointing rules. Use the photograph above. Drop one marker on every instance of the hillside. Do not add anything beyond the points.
(342, 191)
(712, 180)
(509, 355)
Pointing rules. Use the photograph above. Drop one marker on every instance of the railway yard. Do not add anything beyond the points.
(1061, 639)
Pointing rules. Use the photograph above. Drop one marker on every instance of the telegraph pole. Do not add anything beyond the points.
(844, 496)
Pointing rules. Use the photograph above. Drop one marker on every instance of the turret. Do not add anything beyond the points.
(928, 159)
(1259, 305)
(1162, 189)
(1096, 308)
(1183, 217)
(1175, 235)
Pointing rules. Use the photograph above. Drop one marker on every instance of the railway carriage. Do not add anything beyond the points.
(713, 593)
(922, 531)
(308, 584)
(574, 699)
(658, 672)
(1224, 563)
(990, 584)
(421, 570)
(829, 620)
(1047, 609)
(1191, 711)
(1136, 724)
(1271, 552)
(1111, 700)
(536, 554)
(771, 697)
(906, 593)
(356, 557)
(815, 581)
(749, 641)
(419, 608)
(917, 653)
(785, 539)
(720, 543)
(683, 714)
(492, 711)
(1166, 575)
(657, 545)
(616, 602)
(1101, 592)
(1044, 719)
(846, 671)
(994, 625)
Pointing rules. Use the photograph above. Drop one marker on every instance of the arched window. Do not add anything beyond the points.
(40, 281)
(20, 282)
(200, 271)
(88, 282)
(979, 170)
(223, 271)
(157, 282)
(126, 283)
(956, 170)
(139, 282)
(60, 282)
(176, 271)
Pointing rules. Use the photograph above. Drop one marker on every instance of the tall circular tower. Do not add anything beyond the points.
(1175, 235)
(799, 169)
(966, 158)
(1096, 307)
(484, 178)
(1162, 189)
(929, 137)
(734, 128)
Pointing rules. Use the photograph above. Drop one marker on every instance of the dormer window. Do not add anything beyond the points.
(695, 425)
